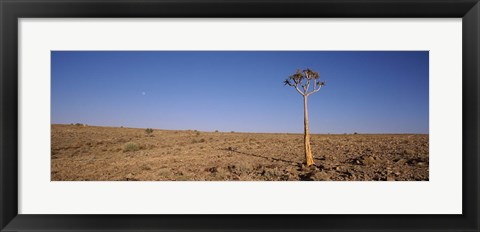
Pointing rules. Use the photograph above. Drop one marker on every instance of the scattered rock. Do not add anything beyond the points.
(130, 176)
(306, 176)
(369, 160)
(390, 178)
(401, 161)
(212, 169)
(321, 176)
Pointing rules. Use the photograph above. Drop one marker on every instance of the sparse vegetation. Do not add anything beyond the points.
(149, 130)
(130, 146)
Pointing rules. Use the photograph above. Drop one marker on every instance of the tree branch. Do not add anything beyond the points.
(301, 84)
(315, 90)
(298, 90)
(308, 85)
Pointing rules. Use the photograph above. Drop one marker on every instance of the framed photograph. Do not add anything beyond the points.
(248, 116)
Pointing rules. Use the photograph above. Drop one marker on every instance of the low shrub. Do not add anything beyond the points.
(149, 130)
(198, 141)
(130, 147)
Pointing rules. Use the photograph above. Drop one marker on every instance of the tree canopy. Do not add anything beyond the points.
(301, 81)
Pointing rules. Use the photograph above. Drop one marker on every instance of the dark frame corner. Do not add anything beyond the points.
(12, 10)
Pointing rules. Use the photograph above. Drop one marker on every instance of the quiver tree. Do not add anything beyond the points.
(301, 81)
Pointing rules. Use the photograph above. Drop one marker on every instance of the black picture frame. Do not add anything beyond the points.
(11, 11)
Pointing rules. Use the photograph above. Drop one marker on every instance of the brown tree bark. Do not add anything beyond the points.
(308, 150)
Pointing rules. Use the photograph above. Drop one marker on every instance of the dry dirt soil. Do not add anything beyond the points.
(90, 153)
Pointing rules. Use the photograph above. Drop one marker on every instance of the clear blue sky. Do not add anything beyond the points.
(366, 92)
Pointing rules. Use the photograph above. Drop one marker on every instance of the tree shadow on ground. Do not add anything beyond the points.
(230, 149)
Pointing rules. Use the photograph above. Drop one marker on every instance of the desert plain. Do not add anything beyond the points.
(93, 153)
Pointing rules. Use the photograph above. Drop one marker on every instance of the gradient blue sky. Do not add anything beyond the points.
(366, 92)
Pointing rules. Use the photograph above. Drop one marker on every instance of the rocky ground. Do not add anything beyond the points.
(88, 153)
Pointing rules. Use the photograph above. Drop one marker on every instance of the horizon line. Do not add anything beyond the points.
(246, 132)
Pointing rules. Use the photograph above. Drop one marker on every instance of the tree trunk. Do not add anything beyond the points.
(308, 150)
